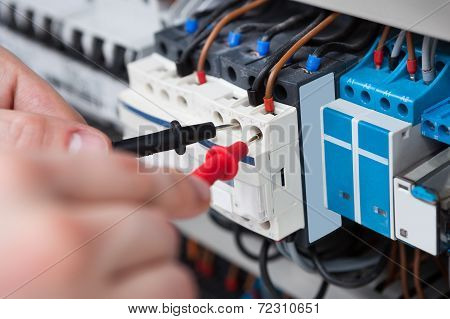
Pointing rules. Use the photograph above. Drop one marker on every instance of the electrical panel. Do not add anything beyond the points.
(347, 128)
(359, 134)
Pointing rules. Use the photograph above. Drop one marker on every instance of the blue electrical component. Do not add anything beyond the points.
(436, 122)
(234, 39)
(363, 151)
(263, 47)
(191, 25)
(313, 63)
(392, 92)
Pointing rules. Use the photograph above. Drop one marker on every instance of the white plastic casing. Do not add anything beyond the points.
(416, 221)
(56, 11)
(266, 195)
(129, 24)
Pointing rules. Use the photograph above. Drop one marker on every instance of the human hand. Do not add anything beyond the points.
(91, 226)
(34, 117)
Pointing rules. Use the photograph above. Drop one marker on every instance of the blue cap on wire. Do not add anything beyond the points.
(191, 25)
(234, 39)
(263, 47)
(313, 63)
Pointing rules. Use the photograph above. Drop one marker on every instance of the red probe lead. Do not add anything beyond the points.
(222, 163)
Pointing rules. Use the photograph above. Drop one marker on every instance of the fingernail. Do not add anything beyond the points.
(201, 188)
(85, 141)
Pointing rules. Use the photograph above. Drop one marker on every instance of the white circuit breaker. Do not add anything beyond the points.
(266, 195)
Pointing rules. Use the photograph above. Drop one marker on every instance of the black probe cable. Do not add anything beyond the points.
(176, 138)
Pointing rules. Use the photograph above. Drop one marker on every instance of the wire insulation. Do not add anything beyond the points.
(412, 62)
(258, 83)
(338, 34)
(253, 27)
(353, 283)
(263, 261)
(353, 46)
(398, 44)
(416, 269)
(219, 26)
(283, 26)
(184, 64)
(238, 232)
(323, 289)
(301, 42)
(404, 271)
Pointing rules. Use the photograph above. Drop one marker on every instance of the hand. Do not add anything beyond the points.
(90, 226)
(34, 117)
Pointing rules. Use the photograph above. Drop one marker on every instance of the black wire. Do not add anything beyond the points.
(274, 58)
(338, 33)
(322, 290)
(238, 232)
(221, 221)
(354, 46)
(263, 261)
(199, 36)
(354, 283)
(283, 26)
(253, 27)
(201, 14)
(215, 14)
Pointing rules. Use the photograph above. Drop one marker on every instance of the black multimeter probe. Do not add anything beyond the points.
(176, 138)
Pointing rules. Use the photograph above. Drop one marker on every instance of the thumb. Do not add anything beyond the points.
(28, 131)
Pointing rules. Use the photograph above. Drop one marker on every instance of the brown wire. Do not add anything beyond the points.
(219, 26)
(301, 42)
(416, 270)
(392, 269)
(410, 46)
(383, 38)
(404, 271)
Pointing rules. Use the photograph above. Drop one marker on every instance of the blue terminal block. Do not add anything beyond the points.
(436, 122)
(393, 92)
